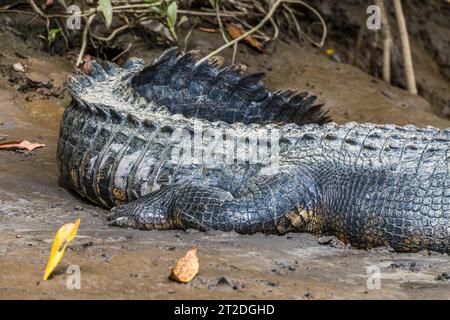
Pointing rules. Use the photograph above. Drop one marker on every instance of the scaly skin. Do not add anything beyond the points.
(367, 184)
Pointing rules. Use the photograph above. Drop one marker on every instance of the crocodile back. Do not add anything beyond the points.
(205, 90)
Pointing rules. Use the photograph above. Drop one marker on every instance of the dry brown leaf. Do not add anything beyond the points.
(209, 30)
(20, 145)
(86, 66)
(235, 31)
(186, 268)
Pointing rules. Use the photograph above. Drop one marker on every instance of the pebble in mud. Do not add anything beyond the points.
(307, 295)
(167, 248)
(333, 242)
(221, 282)
(88, 244)
(267, 283)
(57, 204)
(413, 266)
(444, 276)
(118, 239)
(284, 266)
(224, 281)
(94, 214)
(179, 236)
(24, 153)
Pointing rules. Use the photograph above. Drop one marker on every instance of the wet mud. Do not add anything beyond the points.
(120, 263)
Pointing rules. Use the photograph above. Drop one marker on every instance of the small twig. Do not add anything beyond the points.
(387, 41)
(19, 11)
(300, 33)
(32, 20)
(91, 40)
(260, 7)
(212, 14)
(122, 53)
(187, 36)
(406, 50)
(112, 35)
(233, 58)
(285, 15)
(130, 6)
(244, 35)
(322, 21)
(84, 40)
(275, 28)
(258, 33)
(63, 33)
(219, 21)
(9, 6)
(39, 12)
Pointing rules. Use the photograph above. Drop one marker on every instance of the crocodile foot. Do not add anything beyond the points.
(148, 212)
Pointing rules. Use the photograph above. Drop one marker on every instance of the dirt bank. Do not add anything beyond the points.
(429, 33)
(119, 263)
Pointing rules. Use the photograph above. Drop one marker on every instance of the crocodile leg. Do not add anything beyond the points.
(271, 204)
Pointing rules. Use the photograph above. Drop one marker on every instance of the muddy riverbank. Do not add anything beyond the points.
(121, 263)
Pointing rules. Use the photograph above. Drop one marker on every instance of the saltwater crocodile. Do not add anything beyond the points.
(367, 184)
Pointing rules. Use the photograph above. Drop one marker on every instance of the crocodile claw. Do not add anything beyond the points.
(123, 222)
(148, 212)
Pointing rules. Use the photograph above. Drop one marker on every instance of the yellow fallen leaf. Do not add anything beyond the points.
(329, 51)
(186, 268)
(64, 235)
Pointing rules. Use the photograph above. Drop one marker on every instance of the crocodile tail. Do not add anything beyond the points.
(300, 108)
(206, 90)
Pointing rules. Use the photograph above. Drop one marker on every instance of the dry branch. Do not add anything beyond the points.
(245, 12)
(406, 50)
